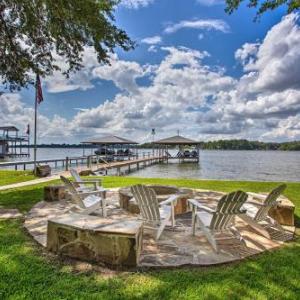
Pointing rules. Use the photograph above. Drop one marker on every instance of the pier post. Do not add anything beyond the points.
(67, 163)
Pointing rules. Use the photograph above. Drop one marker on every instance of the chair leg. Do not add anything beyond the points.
(172, 215)
(237, 234)
(161, 228)
(103, 202)
(210, 237)
(193, 220)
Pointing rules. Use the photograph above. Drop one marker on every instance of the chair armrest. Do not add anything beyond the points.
(255, 203)
(257, 196)
(89, 193)
(87, 181)
(195, 203)
(170, 200)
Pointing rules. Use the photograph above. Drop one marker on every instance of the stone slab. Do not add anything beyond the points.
(176, 246)
(96, 239)
(6, 213)
(54, 192)
(284, 212)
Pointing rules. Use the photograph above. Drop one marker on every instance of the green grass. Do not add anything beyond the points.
(10, 177)
(25, 273)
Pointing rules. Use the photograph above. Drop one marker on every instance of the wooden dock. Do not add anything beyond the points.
(128, 165)
(91, 162)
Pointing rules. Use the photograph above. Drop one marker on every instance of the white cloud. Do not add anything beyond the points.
(247, 53)
(81, 80)
(14, 112)
(163, 102)
(200, 36)
(123, 73)
(203, 24)
(287, 129)
(135, 4)
(153, 40)
(152, 48)
(210, 2)
(184, 93)
(276, 65)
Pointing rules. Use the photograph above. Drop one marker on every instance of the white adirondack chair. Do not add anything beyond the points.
(87, 184)
(259, 205)
(154, 214)
(85, 202)
(220, 220)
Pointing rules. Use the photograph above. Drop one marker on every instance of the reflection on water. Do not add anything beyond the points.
(237, 165)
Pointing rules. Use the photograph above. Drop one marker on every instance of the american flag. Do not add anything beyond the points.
(28, 130)
(39, 92)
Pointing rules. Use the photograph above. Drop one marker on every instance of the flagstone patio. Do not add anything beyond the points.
(120, 239)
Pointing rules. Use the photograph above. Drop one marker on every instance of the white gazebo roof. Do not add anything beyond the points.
(109, 140)
(176, 140)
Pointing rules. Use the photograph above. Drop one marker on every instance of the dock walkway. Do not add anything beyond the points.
(129, 164)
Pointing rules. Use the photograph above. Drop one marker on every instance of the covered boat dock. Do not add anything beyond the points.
(11, 143)
(180, 143)
(112, 148)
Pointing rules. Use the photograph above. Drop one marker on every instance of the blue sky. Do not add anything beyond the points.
(195, 69)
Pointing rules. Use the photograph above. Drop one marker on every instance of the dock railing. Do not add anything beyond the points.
(65, 163)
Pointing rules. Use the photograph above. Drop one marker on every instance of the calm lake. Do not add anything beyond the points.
(214, 164)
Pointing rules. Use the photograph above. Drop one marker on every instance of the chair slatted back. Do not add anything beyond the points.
(76, 176)
(228, 207)
(147, 202)
(74, 194)
(270, 201)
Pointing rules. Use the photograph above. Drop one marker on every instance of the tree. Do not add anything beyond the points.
(263, 6)
(33, 32)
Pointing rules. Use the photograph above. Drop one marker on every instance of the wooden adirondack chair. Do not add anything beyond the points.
(85, 202)
(257, 211)
(220, 220)
(154, 214)
(85, 185)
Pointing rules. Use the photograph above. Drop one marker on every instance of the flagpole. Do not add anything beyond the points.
(35, 127)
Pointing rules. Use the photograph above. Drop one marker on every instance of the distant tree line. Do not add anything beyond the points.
(211, 145)
(249, 145)
(243, 145)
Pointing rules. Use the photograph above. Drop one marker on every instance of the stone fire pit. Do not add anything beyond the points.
(120, 240)
(163, 192)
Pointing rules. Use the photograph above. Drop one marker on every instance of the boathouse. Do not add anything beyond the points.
(112, 147)
(187, 150)
(11, 143)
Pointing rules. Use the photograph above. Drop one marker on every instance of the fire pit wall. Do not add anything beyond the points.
(163, 192)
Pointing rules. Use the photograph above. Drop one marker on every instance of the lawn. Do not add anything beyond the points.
(26, 273)
(10, 177)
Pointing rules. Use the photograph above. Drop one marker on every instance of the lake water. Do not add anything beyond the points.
(214, 164)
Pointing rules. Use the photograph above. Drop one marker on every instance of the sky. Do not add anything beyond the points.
(195, 69)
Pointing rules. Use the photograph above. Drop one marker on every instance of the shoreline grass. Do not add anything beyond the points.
(27, 274)
(10, 176)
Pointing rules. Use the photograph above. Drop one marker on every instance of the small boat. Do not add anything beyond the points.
(104, 151)
(187, 153)
(194, 153)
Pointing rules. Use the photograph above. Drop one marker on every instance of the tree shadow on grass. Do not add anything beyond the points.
(25, 273)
